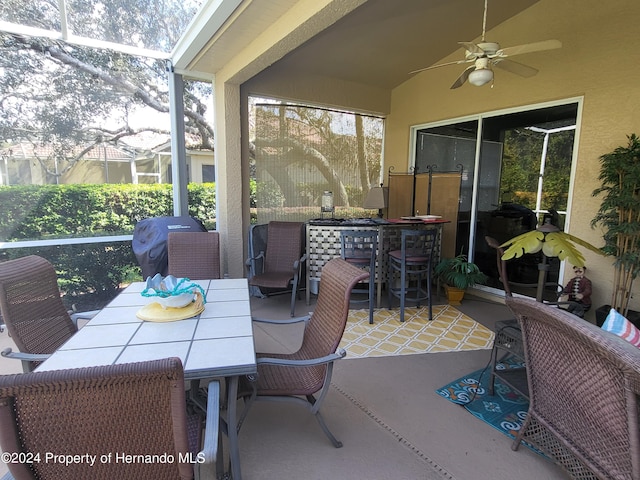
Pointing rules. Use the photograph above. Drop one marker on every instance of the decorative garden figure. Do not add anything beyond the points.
(578, 291)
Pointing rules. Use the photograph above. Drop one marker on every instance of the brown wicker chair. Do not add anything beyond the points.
(33, 311)
(195, 255)
(279, 268)
(584, 387)
(105, 413)
(298, 377)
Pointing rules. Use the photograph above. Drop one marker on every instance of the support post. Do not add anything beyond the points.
(178, 147)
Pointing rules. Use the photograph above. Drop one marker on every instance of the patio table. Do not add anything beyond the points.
(216, 343)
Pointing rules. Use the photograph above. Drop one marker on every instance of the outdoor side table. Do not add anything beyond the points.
(508, 343)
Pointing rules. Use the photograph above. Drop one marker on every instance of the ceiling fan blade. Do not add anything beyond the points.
(463, 77)
(515, 67)
(440, 65)
(529, 47)
(472, 48)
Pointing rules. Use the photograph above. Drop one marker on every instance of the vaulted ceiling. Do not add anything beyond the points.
(377, 44)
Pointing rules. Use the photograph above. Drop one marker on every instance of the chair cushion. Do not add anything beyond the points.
(617, 324)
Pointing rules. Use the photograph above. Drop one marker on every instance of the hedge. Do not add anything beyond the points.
(37, 212)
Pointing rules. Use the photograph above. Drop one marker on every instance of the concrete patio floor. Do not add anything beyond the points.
(390, 419)
(385, 411)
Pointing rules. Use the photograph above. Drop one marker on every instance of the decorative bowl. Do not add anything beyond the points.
(162, 290)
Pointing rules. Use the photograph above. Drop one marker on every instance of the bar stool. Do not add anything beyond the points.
(412, 262)
(359, 248)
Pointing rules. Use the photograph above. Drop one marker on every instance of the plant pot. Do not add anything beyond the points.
(454, 295)
(603, 311)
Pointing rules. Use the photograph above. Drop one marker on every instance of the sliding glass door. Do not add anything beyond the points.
(516, 170)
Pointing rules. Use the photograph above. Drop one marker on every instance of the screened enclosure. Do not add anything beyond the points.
(302, 152)
(86, 135)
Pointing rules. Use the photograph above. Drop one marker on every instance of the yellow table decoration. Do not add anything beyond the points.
(154, 312)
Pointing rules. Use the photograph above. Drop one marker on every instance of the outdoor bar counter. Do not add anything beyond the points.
(323, 243)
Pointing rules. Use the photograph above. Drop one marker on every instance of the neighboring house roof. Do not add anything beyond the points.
(135, 146)
(158, 142)
(97, 152)
(151, 141)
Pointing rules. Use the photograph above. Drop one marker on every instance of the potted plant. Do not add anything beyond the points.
(458, 274)
(619, 215)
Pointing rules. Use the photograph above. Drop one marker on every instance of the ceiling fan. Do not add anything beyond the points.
(485, 55)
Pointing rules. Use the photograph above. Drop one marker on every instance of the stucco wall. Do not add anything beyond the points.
(305, 19)
(599, 61)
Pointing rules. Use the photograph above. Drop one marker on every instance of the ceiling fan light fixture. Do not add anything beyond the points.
(485, 54)
(480, 77)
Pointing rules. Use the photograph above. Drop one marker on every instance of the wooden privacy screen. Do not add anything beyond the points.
(400, 195)
(433, 193)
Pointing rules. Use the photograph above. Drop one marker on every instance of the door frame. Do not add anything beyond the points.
(411, 161)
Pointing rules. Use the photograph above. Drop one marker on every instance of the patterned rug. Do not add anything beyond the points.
(449, 331)
(505, 410)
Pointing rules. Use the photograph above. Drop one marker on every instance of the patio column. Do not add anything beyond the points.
(178, 148)
(229, 182)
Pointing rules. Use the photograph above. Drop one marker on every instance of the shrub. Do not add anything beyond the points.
(38, 212)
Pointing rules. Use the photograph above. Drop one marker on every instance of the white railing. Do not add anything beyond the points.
(65, 241)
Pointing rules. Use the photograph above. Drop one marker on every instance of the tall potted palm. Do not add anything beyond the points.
(619, 215)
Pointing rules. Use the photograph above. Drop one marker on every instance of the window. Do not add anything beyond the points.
(208, 173)
(301, 152)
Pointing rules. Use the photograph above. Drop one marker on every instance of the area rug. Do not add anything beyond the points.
(505, 410)
(449, 331)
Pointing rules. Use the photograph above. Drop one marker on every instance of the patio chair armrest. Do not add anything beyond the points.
(75, 316)
(562, 304)
(559, 303)
(341, 353)
(298, 263)
(212, 426)
(287, 321)
(250, 260)
(25, 357)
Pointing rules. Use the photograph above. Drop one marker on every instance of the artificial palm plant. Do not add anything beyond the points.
(619, 214)
(554, 243)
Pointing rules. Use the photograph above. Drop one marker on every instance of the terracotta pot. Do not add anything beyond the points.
(454, 295)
